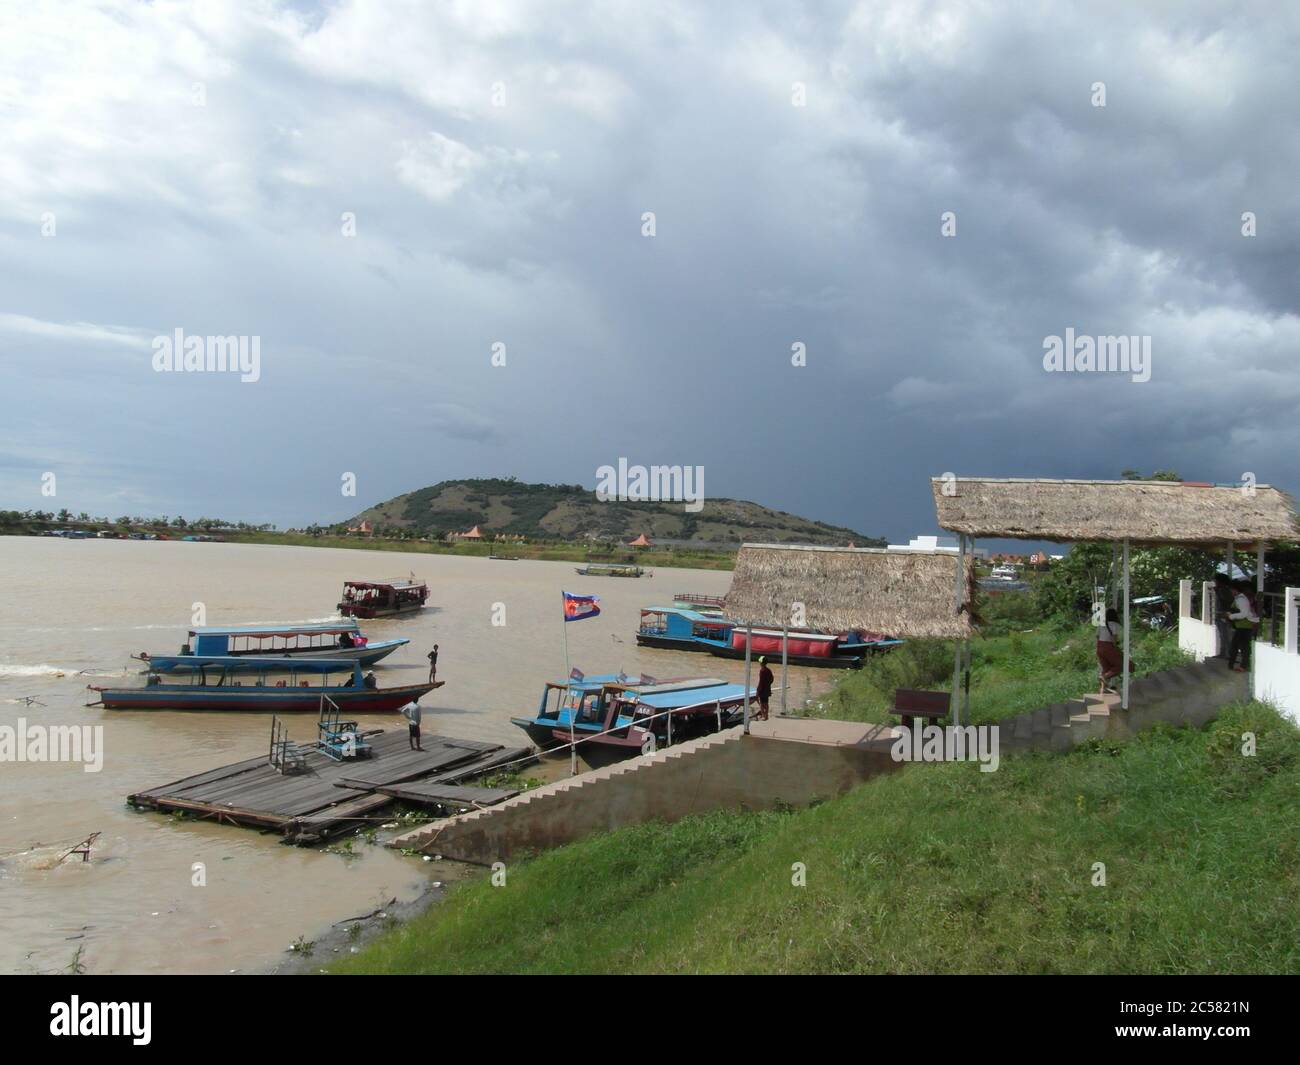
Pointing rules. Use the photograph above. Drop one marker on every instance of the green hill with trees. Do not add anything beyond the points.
(571, 512)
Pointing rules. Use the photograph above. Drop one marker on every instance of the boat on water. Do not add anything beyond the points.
(685, 629)
(339, 639)
(713, 605)
(612, 569)
(614, 716)
(192, 682)
(378, 599)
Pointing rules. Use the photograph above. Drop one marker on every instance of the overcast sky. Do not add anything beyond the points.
(189, 165)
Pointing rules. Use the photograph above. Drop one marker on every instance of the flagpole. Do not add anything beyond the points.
(568, 680)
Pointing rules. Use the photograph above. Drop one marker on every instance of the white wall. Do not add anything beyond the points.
(1197, 638)
(1277, 679)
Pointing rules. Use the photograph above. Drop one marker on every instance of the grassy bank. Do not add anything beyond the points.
(1010, 674)
(938, 868)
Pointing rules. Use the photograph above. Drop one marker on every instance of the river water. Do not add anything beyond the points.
(74, 611)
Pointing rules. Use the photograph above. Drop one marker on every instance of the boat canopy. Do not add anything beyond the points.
(323, 629)
(243, 663)
(397, 584)
(714, 692)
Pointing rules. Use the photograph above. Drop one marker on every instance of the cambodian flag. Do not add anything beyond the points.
(580, 607)
(576, 674)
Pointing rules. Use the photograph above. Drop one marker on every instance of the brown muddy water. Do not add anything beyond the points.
(74, 611)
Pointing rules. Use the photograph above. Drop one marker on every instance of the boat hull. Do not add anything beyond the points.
(819, 661)
(352, 610)
(367, 655)
(263, 700)
(540, 735)
(669, 643)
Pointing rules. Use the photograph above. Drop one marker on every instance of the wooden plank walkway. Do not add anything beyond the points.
(420, 791)
(308, 807)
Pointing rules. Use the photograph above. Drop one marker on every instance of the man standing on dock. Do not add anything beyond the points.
(433, 663)
(765, 679)
(411, 711)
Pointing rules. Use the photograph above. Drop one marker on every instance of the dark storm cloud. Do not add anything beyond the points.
(520, 224)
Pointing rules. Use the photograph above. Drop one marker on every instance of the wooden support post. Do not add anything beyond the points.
(749, 641)
(1124, 686)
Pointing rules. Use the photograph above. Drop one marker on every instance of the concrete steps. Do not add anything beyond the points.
(425, 838)
(1185, 695)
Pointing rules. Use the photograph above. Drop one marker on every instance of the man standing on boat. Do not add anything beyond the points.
(765, 679)
(411, 711)
(433, 663)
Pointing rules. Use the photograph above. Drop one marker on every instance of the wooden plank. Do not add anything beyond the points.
(422, 792)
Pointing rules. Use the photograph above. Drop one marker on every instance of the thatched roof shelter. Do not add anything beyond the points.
(1143, 512)
(907, 594)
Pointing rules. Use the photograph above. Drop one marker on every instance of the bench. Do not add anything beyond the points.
(913, 703)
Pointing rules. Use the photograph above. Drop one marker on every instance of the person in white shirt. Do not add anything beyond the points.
(1244, 618)
(411, 711)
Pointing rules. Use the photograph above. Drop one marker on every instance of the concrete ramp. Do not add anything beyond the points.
(786, 761)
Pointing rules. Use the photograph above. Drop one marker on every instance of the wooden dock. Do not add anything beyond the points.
(328, 796)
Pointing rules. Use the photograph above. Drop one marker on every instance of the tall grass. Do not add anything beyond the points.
(1010, 674)
(938, 868)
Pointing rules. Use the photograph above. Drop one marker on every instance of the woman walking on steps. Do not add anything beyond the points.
(1109, 657)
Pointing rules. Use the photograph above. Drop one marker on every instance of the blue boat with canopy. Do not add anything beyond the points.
(222, 682)
(616, 716)
(334, 639)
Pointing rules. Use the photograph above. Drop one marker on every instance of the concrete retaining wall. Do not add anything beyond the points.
(729, 771)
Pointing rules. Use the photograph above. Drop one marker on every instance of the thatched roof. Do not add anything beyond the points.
(1144, 512)
(903, 593)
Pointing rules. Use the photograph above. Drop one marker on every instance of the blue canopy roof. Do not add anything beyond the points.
(245, 663)
(695, 696)
(343, 625)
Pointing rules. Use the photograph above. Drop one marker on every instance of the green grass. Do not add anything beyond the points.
(937, 868)
(1010, 674)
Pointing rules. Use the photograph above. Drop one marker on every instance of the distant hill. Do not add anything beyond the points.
(571, 512)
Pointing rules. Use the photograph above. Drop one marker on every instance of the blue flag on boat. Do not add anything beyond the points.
(580, 607)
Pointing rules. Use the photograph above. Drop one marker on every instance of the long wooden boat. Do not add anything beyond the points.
(338, 639)
(684, 629)
(378, 599)
(191, 682)
(612, 569)
(613, 716)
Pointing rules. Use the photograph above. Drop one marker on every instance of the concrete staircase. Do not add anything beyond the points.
(1186, 695)
(457, 837)
(792, 762)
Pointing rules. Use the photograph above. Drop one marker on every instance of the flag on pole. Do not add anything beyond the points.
(580, 607)
(576, 674)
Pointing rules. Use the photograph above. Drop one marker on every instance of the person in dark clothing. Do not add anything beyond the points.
(1223, 604)
(765, 679)
(370, 681)
(345, 640)
(1244, 618)
(433, 663)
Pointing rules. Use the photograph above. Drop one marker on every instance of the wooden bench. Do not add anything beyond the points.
(913, 703)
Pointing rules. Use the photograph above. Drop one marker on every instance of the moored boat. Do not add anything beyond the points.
(805, 647)
(219, 683)
(612, 569)
(376, 599)
(339, 639)
(686, 629)
(614, 716)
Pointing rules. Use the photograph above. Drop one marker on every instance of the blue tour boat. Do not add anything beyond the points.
(684, 628)
(194, 682)
(337, 639)
(613, 715)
